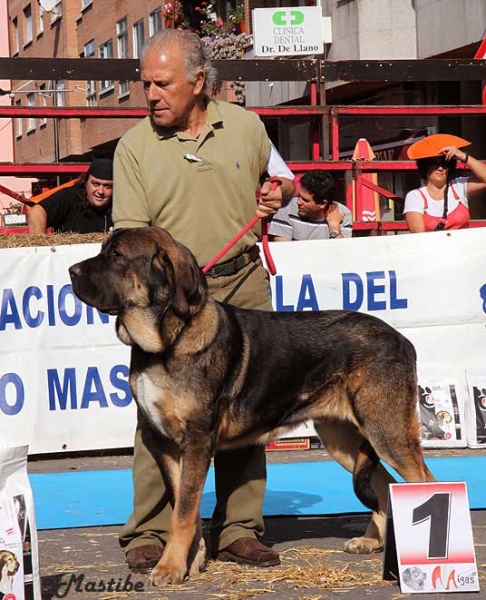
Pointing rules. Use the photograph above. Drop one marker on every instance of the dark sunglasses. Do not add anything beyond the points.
(440, 161)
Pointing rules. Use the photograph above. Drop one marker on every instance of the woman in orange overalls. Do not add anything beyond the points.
(443, 201)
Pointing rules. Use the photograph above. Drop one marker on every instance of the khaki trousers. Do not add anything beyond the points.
(240, 475)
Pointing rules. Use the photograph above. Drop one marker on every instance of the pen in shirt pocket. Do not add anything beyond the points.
(191, 157)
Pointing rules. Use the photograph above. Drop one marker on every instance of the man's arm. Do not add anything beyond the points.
(37, 219)
(272, 200)
(279, 238)
(129, 201)
(288, 189)
(278, 167)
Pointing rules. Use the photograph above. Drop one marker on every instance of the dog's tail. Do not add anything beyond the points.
(364, 466)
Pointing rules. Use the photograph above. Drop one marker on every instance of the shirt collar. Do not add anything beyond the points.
(214, 119)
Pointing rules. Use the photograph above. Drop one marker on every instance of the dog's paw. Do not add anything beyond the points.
(199, 562)
(363, 545)
(166, 572)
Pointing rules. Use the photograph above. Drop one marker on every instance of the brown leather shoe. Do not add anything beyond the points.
(249, 551)
(143, 558)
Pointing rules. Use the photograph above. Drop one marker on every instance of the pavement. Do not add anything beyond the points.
(86, 563)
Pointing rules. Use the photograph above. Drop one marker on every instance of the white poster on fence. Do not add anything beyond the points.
(63, 369)
(476, 411)
(441, 402)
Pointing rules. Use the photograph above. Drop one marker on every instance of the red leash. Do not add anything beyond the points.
(275, 181)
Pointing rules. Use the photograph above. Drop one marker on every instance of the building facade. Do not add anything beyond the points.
(76, 29)
(361, 29)
(17, 185)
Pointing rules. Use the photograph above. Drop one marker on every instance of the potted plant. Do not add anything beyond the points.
(236, 17)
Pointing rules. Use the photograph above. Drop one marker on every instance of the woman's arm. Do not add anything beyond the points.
(477, 184)
(415, 222)
(414, 211)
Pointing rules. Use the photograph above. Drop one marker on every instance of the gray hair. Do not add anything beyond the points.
(193, 54)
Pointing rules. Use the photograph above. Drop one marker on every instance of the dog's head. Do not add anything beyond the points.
(143, 276)
(414, 578)
(9, 565)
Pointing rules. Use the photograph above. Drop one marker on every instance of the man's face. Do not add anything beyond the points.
(99, 191)
(308, 208)
(170, 97)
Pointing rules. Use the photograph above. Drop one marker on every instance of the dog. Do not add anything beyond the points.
(211, 376)
(9, 566)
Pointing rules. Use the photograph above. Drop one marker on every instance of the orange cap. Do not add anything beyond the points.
(433, 144)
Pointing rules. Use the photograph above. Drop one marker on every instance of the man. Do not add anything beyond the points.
(84, 207)
(313, 214)
(193, 167)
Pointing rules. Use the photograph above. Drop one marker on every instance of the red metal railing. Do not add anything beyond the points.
(393, 111)
(329, 114)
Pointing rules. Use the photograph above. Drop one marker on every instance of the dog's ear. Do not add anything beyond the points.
(180, 273)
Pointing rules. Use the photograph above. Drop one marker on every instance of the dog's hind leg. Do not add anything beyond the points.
(343, 441)
(385, 405)
(395, 437)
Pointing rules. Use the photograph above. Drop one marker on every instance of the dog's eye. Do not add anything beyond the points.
(115, 253)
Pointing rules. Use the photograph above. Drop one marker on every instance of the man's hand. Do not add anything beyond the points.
(334, 218)
(271, 199)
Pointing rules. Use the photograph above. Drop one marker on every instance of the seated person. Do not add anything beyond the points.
(84, 207)
(313, 214)
(425, 208)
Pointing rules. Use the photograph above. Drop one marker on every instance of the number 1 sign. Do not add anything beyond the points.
(429, 542)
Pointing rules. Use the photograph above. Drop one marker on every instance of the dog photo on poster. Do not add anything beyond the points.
(476, 414)
(441, 411)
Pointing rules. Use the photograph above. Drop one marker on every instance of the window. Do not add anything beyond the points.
(138, 38)
(89, 52)
(155, 21)
(85, 4)
(106, 51)
(15, 36)
(28, 24)
(56, 12)
(18, 128)
(43, 103)
(59, 93)
(31, 103)
(40, 20)
(122, 50)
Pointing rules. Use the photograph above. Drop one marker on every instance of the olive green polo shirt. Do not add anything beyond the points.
(202, 190)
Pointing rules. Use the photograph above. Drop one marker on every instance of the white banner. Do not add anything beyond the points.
(64, 374)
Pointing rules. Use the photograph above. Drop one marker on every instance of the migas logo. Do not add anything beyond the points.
(444, 584)
(442, 581)
(281, 18)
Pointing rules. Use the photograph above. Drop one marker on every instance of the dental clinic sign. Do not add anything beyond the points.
(290, 31)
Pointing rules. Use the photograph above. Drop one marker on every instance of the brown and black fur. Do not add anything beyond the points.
(208, 375)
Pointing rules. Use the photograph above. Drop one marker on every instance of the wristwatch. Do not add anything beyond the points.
(334, 234)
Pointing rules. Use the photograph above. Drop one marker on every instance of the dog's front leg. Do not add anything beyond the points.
(184, 525)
